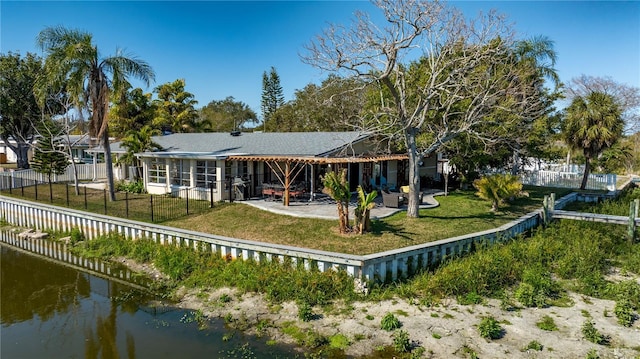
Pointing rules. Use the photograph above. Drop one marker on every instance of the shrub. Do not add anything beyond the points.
(547, 323)
(498, 188)
(131, 187)
(401, 341)
(533, 345)
(390, 322)
(536, 287)
(624, 313)
(490, 328)
(339, 341)
(305, 312)
(590, 333)
(76, 236)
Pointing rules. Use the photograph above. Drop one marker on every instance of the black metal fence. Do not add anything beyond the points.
(144, 207)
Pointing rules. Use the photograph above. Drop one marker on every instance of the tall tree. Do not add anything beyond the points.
(593, 123)
(465, 69)
(334, 105)
(137, 141)
(19, 109)
(225, 115)
(176, 110)
(72, 58)
(627, 97)
(272, 95)
(132, 109)
(49, 157)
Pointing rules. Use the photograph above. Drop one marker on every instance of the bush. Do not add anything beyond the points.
(535, 288)
(490, 328)
(131, 187)
(624, 313)
(76, 236)
(305, 312)
(590, 333)
(498, 188)
(547, 323)
(390, 322)
(533, 345)
(401, 341)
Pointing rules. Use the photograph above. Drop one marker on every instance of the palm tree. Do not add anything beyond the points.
(337, 187)
(73, 58)
(593, 123)
(137, 141)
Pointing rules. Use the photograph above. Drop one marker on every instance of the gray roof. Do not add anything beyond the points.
(221, 145)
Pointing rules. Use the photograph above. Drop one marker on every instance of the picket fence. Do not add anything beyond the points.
(381, 267)
(19, 178)
(569, 180)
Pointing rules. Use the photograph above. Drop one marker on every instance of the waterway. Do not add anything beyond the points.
(74, 308)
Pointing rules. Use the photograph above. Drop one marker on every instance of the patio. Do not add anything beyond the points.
(325, 208)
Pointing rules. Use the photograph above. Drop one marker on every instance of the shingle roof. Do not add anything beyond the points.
(255, 143)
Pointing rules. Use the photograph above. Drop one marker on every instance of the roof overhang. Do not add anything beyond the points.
(318, 160)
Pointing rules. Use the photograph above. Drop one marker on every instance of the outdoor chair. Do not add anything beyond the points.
(404, 190)
(392, 199)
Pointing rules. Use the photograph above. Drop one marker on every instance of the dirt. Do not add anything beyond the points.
(445, 330)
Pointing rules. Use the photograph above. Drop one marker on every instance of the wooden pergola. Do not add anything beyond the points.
(287, 167)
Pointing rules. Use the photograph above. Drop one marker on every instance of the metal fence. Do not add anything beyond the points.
(144, 207)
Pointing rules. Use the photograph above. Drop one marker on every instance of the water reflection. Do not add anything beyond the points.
(50, 310)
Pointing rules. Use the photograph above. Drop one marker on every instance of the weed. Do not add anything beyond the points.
(305, 311)
(470, 298)
(339, 341)
(224, 298)
(389, 322)
(590, 333)
(547, 323)
(434, 315)
(592, 354)
(585, 313)
(436, 335)
(533, 345)
(490, 328)
(401, 341)
(359, 337)
(447, 316)
(370, 317)
(624, 312)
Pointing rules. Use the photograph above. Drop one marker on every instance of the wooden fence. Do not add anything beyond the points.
(20, 178)
(384, 266)
(569, 180)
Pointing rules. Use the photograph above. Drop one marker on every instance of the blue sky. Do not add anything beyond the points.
(222, 48)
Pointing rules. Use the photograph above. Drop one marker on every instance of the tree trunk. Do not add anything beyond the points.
(109, 165)
(587, 169)
(413, 206)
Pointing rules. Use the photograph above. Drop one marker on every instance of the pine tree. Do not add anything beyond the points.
(48, 155)
(272, 94)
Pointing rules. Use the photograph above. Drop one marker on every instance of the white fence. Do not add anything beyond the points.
(569, 180)
(15, 179)
(389, 265)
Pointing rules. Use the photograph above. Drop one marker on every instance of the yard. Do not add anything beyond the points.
(461, 212)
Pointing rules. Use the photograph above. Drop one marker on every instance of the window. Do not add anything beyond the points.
(157, 171)
(180, 174)
(205, 174)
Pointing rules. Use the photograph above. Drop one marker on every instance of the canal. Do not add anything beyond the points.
(74, 308)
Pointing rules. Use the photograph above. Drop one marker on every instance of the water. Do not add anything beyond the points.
(54, 310)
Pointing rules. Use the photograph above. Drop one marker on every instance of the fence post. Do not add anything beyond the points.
(126, 204)
(151, 199)
(104, 192)
(36, 188)
(67, 187)
(631, 228)
(187, 191)
(85, 197)
(211, 194)
(545, 210)
(50, 192)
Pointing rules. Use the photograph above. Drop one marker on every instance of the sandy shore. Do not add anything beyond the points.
(445, 330)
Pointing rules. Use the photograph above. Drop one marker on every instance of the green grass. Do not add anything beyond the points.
(461, 212)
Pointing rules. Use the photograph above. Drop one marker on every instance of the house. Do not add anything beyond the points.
(225, 166)
(78, 144)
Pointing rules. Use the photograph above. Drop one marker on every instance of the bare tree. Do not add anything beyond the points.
(627, 97)
(465, 70)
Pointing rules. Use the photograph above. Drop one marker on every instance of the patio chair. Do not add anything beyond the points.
(392, 199)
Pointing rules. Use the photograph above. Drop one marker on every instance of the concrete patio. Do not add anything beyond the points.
(325, 208)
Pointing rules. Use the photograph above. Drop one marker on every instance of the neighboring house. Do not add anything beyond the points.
(224, 165)
(79, 144)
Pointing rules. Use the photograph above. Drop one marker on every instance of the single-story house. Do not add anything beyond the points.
(240, 165)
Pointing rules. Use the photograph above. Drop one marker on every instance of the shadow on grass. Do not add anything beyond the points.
(378, 228)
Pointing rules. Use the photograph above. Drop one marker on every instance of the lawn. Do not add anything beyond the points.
(461, 212)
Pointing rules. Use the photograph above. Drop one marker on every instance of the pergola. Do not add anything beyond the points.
(287, 167)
